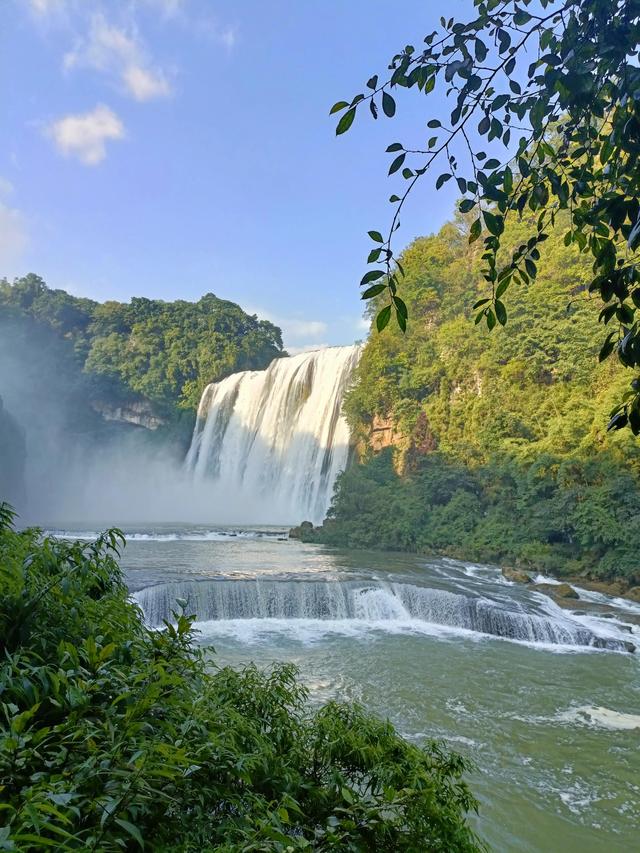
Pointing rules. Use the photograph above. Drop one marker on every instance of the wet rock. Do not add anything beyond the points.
(556, 590)
(515, 575)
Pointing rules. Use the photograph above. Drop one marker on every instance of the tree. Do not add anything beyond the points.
(551, 86)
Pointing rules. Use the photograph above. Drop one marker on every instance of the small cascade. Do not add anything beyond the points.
(273, 441)
(376, 603)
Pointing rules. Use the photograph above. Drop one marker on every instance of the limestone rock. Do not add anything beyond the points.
(515, 575)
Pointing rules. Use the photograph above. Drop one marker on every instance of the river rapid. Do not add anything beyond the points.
(545, 701)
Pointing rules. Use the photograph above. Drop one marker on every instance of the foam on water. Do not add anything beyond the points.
(600, 717)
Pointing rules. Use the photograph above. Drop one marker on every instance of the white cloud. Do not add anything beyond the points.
(13, 234)
(144, 84)
(84, 135)
(120, 54)
(299, 335)
(45, 7)
(6, 187)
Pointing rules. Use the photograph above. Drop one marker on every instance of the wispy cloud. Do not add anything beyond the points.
(85, 135)
(119, 53)
(299, 334)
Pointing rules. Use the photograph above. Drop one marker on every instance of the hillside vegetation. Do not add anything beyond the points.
(496, 443)
(164, 352)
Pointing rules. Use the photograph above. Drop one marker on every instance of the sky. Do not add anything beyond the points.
(170, 148)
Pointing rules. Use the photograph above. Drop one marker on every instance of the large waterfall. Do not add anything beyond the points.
(273, 441)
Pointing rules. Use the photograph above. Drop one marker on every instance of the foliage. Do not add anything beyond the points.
(551, 86)
(500, 452)
(165, 352)
(113, 736)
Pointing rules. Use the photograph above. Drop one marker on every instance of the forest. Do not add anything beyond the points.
(165, 352)
(491, 446)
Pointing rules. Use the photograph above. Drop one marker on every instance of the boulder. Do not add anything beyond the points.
(556, 590)
(515, 575)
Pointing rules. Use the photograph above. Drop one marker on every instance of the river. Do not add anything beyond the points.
(545, 701)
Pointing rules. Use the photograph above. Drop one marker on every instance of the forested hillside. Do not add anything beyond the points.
(492, 446)
(162, 352)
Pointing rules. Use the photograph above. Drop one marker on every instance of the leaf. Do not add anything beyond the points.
(607, 347)
(133, 831)
(340, 105)
(346, 121)
(373, 256)
(395, 146)
(501, 312)
(374, 290)
(372, 275)
(491, 319)
(442, 179)
(531, 268)
(376, 236)
(372, 82)
(479, 303)
(388, 105)
(494, 223)
(399, 160)
(382, 320)
(401, 307)
(466, 205)
(475, 231)
(434, 123)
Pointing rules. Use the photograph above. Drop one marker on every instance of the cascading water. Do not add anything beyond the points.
(377, 604)
(273, 441)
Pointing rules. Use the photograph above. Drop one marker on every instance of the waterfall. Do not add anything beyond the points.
(377, 603)
(272, 442)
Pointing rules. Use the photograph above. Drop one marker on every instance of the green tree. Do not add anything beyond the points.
(544, 118)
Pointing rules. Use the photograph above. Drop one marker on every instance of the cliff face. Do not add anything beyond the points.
(139, 413)
(383, 433)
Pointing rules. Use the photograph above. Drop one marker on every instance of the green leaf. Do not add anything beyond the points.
(494, 223)
(382, 320)
(372, 275)
(372, 82)
(346, 121)
(466, 205)
(373, 256)
(388, 105)
(340, 105)
(399, 160)
(475, 231)
(376, 236)
(395, 146)
(133, 831)
(442, 179)
(401, 307)
(479, 303)
(501, 312)
(374, 290)
(491, 319)
(434, 123)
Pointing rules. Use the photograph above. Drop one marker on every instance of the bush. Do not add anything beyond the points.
(116, 737)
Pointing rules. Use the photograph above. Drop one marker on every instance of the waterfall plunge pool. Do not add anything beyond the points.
(533, 694)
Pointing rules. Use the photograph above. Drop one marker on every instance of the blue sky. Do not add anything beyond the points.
(167, 148)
